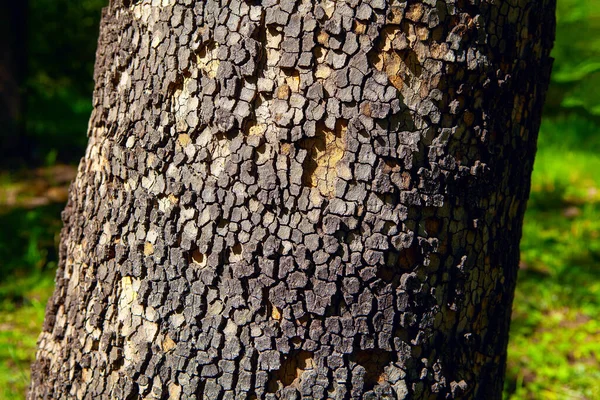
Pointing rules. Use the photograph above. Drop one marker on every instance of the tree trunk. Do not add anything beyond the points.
(295, 199)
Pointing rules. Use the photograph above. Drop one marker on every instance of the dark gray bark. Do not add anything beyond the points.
(296, 199)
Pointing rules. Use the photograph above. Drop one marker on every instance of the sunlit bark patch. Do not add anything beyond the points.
(325, 151)
(207, 59)
(292, 369)
(394, 57)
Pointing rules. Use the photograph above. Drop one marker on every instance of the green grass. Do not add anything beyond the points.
(28, 238)
(20, 325)
(554, 351)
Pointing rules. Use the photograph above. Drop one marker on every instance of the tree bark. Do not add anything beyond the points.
(295, 199)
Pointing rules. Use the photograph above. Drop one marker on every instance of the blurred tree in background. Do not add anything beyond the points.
(13, 67)
(61, 40)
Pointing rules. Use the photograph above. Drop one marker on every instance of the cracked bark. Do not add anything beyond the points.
(294, 199)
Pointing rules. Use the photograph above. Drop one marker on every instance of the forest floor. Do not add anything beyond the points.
(554, 351)
(30, 206)
(554, 348)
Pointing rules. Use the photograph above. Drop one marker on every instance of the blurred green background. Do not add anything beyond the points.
(554, 352)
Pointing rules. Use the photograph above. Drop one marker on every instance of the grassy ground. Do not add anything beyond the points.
(30, 208)
(554, 352)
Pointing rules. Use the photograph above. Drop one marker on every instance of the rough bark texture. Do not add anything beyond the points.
(297, 199)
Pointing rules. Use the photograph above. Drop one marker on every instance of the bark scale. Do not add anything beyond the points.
(296, 199)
